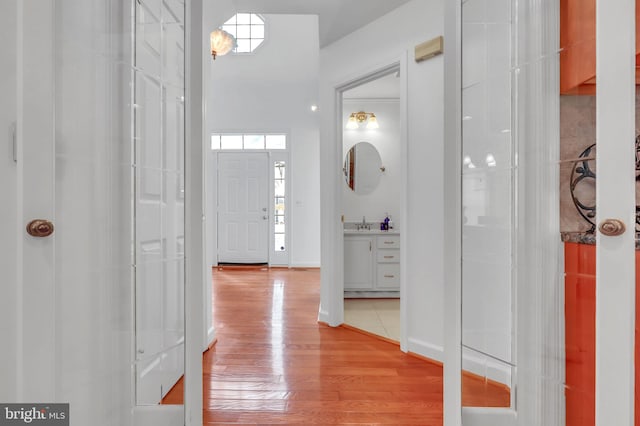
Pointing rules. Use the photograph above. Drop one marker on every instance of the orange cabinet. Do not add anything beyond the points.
(578, 46)
(580, 334)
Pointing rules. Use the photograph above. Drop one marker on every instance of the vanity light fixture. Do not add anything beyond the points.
(357, 118)
(221, 43)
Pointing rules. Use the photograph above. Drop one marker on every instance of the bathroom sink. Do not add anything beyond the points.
(366, 231)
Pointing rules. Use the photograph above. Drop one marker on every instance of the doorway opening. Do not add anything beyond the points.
(373, 205)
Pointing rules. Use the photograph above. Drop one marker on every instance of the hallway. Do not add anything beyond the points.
(274, 364)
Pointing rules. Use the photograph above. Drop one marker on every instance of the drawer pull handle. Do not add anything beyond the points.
(389, 276)
(389, 257)
(388, 242)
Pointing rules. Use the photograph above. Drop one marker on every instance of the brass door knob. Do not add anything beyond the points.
(40, 228)
(612, 227)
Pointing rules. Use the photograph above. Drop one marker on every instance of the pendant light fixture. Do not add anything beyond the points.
(221, 43)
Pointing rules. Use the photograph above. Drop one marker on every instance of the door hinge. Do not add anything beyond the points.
(14, 141)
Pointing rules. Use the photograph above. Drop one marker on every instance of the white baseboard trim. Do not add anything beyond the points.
(425, 349)
(479, 416)
(473, 363)
(485, 366)
(211, 336)
(304, 265)
(323, 316)
(158, 415)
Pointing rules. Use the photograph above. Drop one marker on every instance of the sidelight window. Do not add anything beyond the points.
(279, 206)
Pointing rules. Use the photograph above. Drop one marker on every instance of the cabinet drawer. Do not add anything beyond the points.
(388, 275)
(390, 241)
(388, 256)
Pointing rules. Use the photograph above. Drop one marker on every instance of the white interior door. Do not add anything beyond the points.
(538, 392)
(243, 208)
(8, 193)
(616, 162)
(68, 303)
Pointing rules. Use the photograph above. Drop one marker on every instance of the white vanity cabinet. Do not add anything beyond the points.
(358, 263)
(372, 262)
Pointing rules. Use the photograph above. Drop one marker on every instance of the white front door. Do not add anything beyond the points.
(243, 208)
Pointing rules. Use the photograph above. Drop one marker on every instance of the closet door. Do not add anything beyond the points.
(514, 323)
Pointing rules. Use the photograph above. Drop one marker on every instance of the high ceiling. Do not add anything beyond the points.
(337, 18)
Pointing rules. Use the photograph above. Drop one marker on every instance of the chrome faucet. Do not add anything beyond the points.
(363, 225)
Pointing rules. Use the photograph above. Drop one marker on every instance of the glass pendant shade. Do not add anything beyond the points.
(352, 123)
(221, 43)
(373, 122)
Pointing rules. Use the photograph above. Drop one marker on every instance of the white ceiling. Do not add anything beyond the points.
(387, 87)
(337, 18)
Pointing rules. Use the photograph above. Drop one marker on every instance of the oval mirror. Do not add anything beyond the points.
(362, 168)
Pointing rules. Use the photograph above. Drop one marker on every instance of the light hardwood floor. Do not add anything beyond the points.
(275, 364)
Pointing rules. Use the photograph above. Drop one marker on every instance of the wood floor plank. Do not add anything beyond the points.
(274, 364)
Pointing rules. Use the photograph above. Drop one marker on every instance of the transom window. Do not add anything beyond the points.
(248, 29)
(248, 141)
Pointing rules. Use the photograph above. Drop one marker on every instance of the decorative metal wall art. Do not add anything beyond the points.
(583, 185)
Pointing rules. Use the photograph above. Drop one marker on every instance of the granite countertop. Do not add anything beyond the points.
(585, 238)
(370, 232)
(578, 237)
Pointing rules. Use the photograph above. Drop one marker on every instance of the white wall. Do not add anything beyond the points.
(8, 212)
(388, 40)
(385, 198)
(271, 91)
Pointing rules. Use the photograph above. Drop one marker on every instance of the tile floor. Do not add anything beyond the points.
(377, 316)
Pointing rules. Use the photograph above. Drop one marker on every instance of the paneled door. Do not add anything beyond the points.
(243, 208)
(93, 181)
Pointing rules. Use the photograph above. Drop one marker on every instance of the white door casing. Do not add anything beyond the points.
(243, 208)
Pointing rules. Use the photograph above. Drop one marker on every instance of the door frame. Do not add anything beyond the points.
(197, 275)
(452, 366)
(332, 308)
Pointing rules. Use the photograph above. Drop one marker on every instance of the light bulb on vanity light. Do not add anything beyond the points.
(373, 122)
(352, 123)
